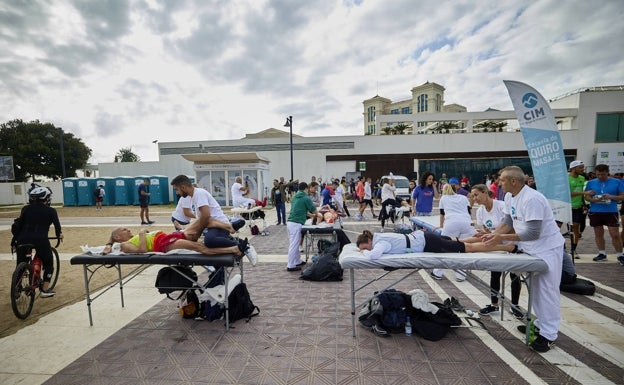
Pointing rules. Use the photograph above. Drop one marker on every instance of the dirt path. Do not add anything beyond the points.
(70, 287)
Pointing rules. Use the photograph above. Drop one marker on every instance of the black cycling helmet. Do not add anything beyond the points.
(40, 194)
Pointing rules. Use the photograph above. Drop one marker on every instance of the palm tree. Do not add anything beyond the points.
(400, 128)
(126, 155)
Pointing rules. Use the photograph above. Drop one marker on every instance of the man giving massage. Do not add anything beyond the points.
(375, 245)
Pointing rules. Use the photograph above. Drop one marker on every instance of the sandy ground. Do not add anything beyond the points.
(70, 286)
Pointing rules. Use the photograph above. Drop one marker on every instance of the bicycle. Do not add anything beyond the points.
(27, 278)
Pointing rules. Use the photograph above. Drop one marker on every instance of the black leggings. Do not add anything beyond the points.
(495, 285)
(436, 243)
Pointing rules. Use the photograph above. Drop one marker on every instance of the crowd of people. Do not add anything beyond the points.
(512, 215)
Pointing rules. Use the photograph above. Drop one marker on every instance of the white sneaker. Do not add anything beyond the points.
(252, 255)
(46, 293)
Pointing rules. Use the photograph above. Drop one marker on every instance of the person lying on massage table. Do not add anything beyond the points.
(325, 214)
(159, 241)
(375, 245)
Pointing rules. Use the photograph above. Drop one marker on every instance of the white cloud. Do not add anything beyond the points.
(123, 73)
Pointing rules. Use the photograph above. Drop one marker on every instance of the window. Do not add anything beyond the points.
(395, 111)
(371, 114)
(610, 128)
(422, 103)
(405, 110)
(438, 102)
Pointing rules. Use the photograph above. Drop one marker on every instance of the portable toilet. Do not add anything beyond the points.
(159, 187)
(124, 186)
(175, 197)
(137, 181)
(109, 189)
(70, 192)
(85, 191)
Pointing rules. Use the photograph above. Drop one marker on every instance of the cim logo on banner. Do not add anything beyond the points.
(529, 100)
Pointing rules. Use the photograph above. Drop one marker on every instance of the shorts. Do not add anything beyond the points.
(367, 202)
(144, 204)
(578, 215)
(99, 199)
(162, 241)
(604, 219)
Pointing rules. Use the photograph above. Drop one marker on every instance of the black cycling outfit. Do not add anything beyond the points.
(37, 218)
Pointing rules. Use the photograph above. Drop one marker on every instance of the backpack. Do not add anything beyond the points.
(326, 267)
(240, 305)
(188, 304)
(96, 192)
(16, 228)
(169, 280)
(387, 310)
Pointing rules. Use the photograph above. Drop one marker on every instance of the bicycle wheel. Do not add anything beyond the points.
(22, 292)
(56, 262)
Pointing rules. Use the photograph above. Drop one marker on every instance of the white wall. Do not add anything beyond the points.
(15, 193)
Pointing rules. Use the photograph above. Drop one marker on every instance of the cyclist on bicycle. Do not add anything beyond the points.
(37, 218)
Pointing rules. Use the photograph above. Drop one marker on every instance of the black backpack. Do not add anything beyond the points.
(96, 192)
(240, 305)
(169, 280)
(16, 228)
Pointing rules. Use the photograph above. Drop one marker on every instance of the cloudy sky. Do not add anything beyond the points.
(119, 73)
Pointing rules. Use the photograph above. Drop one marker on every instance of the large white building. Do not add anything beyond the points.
(591, 123)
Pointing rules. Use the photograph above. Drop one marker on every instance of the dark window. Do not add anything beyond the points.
(610, 128)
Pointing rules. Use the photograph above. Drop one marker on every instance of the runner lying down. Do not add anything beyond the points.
(160, 241)
(375, 245)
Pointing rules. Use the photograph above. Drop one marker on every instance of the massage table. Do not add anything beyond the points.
(92, 262)
(352, 259)
(313, 233)
(428, 223)
(249, 212)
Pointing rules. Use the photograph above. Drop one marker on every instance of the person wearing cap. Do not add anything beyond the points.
(604, 195)
(459, 189)
(576, 178)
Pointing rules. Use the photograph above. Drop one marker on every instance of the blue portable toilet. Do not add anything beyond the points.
(137, 181)
(109, 189)
(70, 192)
(159, 187)
(175, 197)
(85, 191)
(124, 186)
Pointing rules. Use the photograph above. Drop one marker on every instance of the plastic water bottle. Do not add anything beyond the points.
(408, 326)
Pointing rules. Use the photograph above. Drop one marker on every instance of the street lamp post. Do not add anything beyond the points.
(289, 121)
(60, 129)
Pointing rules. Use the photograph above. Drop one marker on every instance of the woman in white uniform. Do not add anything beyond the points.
(489, 216)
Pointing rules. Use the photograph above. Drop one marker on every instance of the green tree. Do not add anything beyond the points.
(36, 150)
(126, 155)
(400, 128)
(388, 130)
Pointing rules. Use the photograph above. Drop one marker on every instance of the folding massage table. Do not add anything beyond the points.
(92, 262)
(351, 259)
(313, 233)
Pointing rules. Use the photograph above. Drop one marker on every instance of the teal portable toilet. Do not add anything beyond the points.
(137, 181)
(108, 183)
(174, 195)
(159, 187)
(70, 192)
(85, 191)
(124, 186)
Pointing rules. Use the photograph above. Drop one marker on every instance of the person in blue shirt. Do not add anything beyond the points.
(423, 194)
(604, 194)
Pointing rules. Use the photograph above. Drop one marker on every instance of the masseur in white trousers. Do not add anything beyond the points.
(530, 222)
